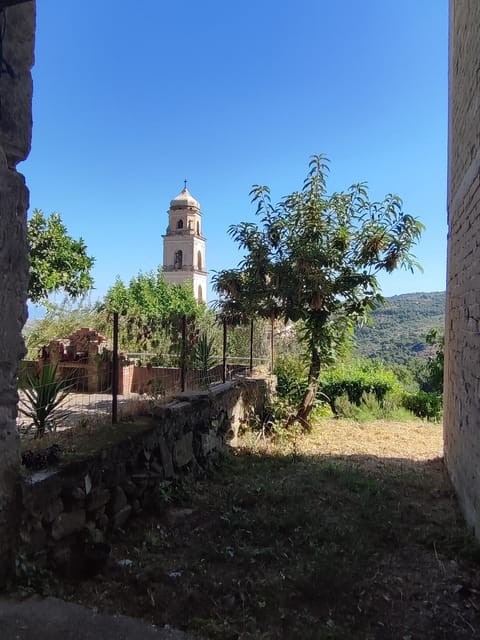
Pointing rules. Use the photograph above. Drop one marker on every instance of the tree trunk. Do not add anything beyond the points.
(306, 404)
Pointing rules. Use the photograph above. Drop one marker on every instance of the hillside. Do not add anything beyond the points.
(397, 330)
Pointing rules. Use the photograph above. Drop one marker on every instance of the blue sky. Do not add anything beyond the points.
(131, 98)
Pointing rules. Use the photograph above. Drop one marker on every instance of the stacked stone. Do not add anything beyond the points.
(69, 510)
(83, 337)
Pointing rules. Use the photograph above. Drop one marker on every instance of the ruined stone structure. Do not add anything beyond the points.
(17, 31)
(462, 332)
(84, 357)
(184, 245)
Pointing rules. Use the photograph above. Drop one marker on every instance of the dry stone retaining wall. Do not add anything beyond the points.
(462, 330)
(69, 511)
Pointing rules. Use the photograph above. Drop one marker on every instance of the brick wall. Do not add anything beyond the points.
(462, 337)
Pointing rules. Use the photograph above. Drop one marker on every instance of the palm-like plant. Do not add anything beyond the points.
(204, 357)
(42, 396)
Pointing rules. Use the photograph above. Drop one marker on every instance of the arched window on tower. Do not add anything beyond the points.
(198, 228)
(180, 224)
(199, 260)
(178, 260)
(200, 294)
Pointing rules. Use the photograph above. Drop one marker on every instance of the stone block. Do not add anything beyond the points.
(183, 450)
(130, 488)
(53, 510)
(117, 501)
(210, 443)
(102, 521)
(34, 540)
(166, 458)
(120, 518)
(68, 523)
(98, 498)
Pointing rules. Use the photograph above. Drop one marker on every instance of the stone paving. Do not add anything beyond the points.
(53, 619)
(94, 407)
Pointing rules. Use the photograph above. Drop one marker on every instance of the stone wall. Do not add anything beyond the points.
(462, 332)
(69, 511)
(17, 30)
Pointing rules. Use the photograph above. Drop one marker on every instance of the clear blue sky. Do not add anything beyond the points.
(131, 98)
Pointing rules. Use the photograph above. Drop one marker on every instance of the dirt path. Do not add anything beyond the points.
(350, 532)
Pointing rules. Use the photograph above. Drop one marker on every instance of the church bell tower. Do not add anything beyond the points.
(184, 245)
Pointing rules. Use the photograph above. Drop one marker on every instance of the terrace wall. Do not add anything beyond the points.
(68, 511)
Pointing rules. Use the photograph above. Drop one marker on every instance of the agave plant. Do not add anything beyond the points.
(41, 398)
(204, 357)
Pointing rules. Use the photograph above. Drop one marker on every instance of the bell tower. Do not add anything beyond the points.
(184, 245)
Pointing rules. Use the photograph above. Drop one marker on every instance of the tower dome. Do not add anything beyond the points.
(184, 245)
(184, 200)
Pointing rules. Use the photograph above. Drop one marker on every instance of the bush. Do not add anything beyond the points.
(370, 409)
(424, 404)
(357, 380)
(292, 377)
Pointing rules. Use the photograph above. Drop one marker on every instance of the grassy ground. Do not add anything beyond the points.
(349, 532)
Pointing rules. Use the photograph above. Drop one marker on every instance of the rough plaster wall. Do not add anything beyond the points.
(18, 27)
(462, 338)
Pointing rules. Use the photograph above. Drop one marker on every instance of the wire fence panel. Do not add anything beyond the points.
(55, 397)
(75, 385)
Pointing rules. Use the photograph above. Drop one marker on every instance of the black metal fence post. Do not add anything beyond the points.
(115, 369)
(272, 344)
(224, 362)
(183, 362)
(251, 347)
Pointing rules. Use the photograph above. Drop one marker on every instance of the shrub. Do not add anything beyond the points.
(370, 409)
(424, 404)
(292, 377)
(357, 380)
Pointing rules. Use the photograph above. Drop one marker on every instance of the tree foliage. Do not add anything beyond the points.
(58, 262)
(315, 257)
(435, 363)
(150, 308)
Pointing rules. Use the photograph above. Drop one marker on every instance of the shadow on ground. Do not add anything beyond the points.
(287, 544)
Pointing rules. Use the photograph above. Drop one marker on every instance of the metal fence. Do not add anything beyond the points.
(77, 389)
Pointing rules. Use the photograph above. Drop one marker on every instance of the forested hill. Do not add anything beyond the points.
(397, 330)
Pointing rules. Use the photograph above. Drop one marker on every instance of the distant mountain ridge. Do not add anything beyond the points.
(397, 330)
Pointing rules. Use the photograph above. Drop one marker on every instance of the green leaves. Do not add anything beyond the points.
(57, 261)
(315, 257)
(150, 308)
(42, 397)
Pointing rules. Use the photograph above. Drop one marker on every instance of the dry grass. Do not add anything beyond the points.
(412, 440)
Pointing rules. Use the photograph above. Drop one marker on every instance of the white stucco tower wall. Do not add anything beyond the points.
(184, 245)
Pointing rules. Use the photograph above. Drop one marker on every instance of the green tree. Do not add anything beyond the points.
(57, 261)
(315, 257)
(150, 309)
(435, 362)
